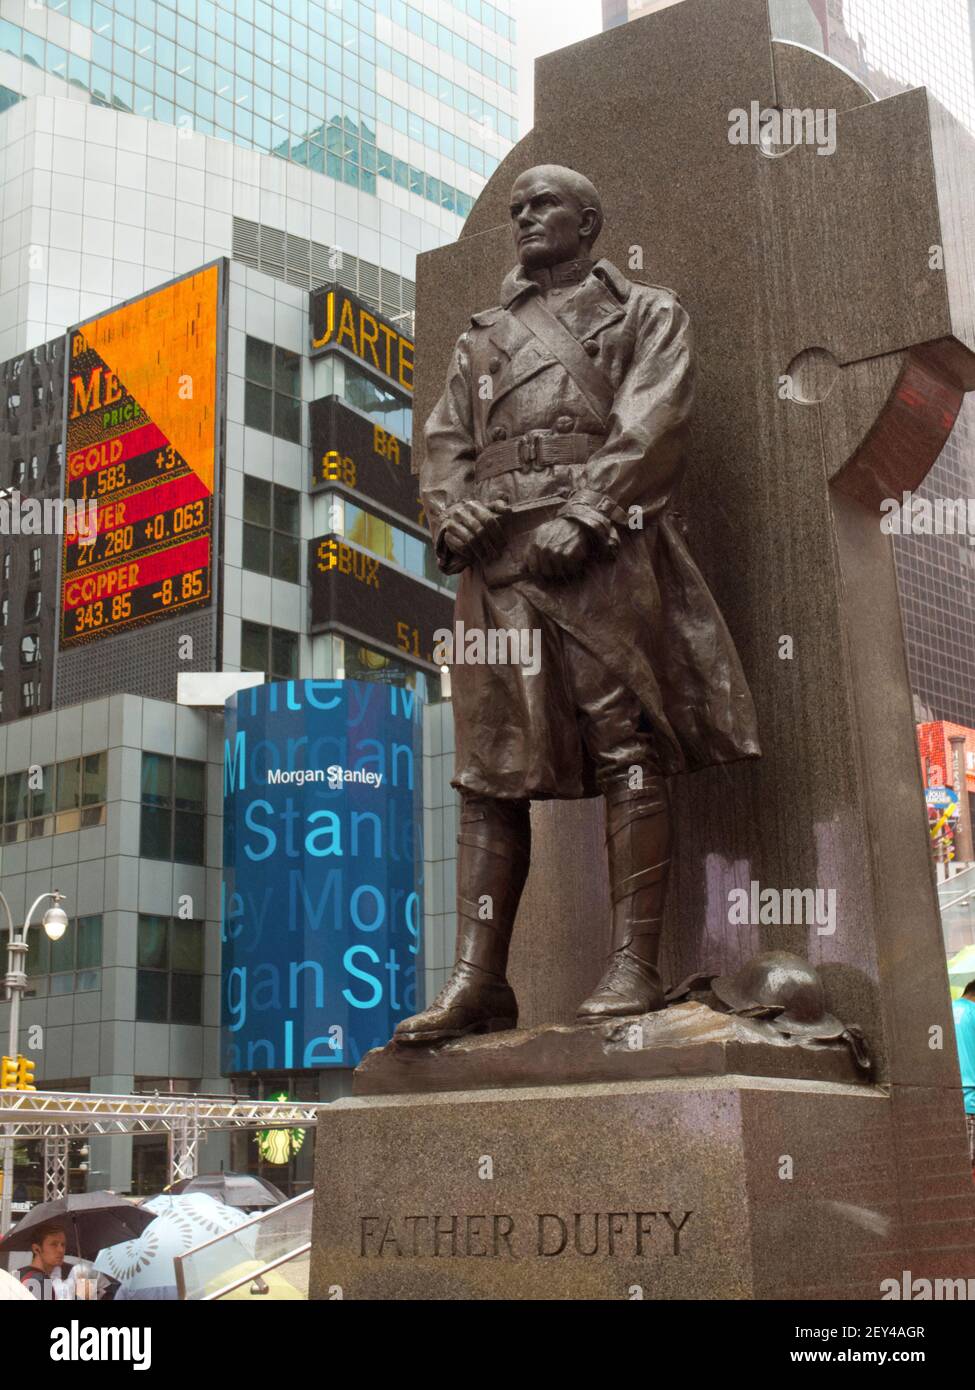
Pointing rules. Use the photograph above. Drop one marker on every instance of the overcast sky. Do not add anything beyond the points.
(542, 26)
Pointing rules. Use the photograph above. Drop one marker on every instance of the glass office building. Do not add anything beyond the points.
(402, 110)
(322, 85)
(296, 145)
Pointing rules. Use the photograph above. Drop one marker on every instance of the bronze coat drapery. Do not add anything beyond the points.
(646, 612)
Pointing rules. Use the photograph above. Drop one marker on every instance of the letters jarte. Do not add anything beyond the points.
(545, 1234)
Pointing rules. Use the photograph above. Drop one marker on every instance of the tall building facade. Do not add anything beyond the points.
(249, 184)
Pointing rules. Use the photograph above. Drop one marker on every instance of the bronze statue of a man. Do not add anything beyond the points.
(549, 467)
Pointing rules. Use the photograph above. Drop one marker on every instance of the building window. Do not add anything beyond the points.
(173, 809)
(32, 605)
(272, 650)
(40, 812)
(389, 542)
(30, 697)
(30, 650)
(4, 612)
(72, 964)
(386, 407)
(150, 1164)
(355, 661)
(69, 796)
(19, 472)
(272, 390)
(35, 562)
(271, 525)
(6, 565)
(169, 984)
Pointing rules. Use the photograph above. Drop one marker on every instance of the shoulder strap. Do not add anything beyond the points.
(554, 335)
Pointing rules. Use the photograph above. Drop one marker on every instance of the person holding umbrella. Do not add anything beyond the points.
(82, 1222)
(47, 1247)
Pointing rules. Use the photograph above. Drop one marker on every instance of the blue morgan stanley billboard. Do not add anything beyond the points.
(322, 886)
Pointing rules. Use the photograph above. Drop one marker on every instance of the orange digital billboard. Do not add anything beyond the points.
(141, 444)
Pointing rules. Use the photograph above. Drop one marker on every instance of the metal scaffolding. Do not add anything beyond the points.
(184, 1139)
(55, 1166)
(35, 1114)
(59, 1116)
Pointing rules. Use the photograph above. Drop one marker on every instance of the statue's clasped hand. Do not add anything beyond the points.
(473, 529)
(560, 550)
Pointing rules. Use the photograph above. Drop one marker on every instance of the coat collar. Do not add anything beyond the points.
(517, 282)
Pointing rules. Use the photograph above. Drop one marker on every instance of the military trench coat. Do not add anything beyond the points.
(641, 605)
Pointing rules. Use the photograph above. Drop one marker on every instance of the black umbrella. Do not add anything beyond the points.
(91, 1220)
(233, 1189)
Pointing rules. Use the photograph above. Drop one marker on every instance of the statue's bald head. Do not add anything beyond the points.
(556, 215)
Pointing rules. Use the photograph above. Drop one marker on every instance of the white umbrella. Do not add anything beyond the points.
(11, 1288)
(181, 1223)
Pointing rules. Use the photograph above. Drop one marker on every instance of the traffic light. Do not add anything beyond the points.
(25, 1075)
(8, 1074)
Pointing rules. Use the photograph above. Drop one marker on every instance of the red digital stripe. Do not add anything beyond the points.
(133, 574)
(161, 497)
(134, 442)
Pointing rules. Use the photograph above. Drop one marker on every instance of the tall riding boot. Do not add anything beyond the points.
(638, 840)
(494, 849)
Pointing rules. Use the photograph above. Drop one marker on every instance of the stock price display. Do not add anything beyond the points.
(140, 460)
(357, 592)
(350, 452)
(340, 320)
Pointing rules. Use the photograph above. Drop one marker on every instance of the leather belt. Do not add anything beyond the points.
(537, 449)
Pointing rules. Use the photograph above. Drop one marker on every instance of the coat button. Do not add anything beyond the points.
(592, 347)
(494, 365)
(564, 424)
(498, 433)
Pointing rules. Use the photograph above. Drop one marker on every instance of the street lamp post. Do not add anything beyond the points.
(55, 925)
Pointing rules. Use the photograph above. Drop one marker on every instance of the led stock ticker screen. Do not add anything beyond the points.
(340, 320)
(141, 445)
(353, 453)
(356, 592)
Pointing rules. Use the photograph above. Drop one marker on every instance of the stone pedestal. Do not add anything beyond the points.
(705, 1188)
(688, 1039)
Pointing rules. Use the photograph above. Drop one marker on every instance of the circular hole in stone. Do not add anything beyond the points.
(768, 131)
(812, 375)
